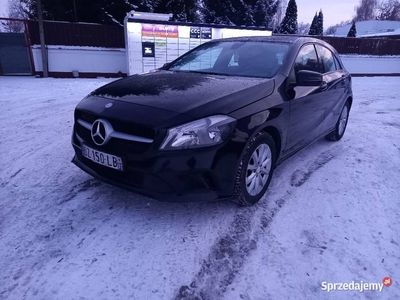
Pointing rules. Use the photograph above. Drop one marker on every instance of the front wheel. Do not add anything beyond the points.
(255, 170)
(341, 124)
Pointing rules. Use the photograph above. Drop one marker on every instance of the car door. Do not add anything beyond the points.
(306, 111)
(334, 77)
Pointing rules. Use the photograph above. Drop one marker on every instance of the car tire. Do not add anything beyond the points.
(255, 170)
(341, 124)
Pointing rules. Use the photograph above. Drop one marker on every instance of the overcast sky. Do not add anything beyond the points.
(334, 11)
(3, 7)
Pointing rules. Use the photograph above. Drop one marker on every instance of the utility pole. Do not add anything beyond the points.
(75, 12)
(42, 42)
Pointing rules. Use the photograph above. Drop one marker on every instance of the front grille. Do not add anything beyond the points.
(86, 117)
(114, 145)
(120, 126)
(133, 129)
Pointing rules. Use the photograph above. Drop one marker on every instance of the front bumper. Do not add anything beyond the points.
(204, 174)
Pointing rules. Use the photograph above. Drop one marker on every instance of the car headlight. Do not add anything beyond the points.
(200, 133)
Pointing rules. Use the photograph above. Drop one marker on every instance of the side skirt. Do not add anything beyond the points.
(286, 156)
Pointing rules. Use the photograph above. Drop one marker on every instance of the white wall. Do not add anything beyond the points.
(105, 60)
(356, 64)
(82, 59)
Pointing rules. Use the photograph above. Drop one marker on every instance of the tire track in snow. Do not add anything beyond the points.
(3, 184)
(229, 253)
(81, 187)
(299, 177)
(224, 262)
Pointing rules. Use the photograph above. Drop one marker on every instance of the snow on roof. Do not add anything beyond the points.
(370, 28)
(396, 32)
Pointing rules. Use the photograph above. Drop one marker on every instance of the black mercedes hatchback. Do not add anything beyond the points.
(214, 123)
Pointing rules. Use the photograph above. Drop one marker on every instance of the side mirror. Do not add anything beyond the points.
(309, 78)
(166, 65)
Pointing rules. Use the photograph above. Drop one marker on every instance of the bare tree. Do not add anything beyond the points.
(303, 28)
(331, 30)
(389, 10)
(366, 10)
(15, 10)
(280, 13)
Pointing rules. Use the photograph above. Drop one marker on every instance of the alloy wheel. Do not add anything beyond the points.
(258, 169)
(343, 120)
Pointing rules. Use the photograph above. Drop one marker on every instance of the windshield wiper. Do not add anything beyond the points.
(209, 73)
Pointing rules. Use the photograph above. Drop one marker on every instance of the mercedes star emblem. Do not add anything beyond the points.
(108, 105)
(100, 132)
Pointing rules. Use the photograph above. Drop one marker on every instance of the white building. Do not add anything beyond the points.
(151, 40)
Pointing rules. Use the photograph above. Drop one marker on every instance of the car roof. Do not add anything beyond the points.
(284, 38)
(280, 38)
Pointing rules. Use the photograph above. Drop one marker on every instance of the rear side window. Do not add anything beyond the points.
(338, 64)
(306, 60)
(327, 59)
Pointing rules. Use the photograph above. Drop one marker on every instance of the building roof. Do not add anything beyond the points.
(388, 33)
(370, 28)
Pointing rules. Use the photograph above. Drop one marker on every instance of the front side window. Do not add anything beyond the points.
(249, 59)
(327, 60)
(306, 60)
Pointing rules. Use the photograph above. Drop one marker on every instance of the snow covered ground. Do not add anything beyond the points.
(332, 214)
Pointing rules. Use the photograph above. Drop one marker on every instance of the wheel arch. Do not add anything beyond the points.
(276, 136)
(350, 100)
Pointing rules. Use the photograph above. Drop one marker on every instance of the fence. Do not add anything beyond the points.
(364, 46)
(78, 34)
(109, 36)
(88, 39)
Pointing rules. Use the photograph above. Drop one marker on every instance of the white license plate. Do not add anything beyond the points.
(102, 158)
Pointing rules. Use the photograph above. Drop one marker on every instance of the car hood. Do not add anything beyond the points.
(193, 94)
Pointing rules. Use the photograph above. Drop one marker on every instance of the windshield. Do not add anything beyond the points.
(250, 59)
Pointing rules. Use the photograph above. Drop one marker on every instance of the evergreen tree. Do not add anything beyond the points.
(218, 12)
(320, 24)
(181, 10)
(264, 11)
(233, 12)
(313, 30)
(353, 30)
(240, 12)
(92, 11)
(289, 23)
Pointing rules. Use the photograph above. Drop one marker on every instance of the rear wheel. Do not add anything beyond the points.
(341, 124)
(255, 170)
